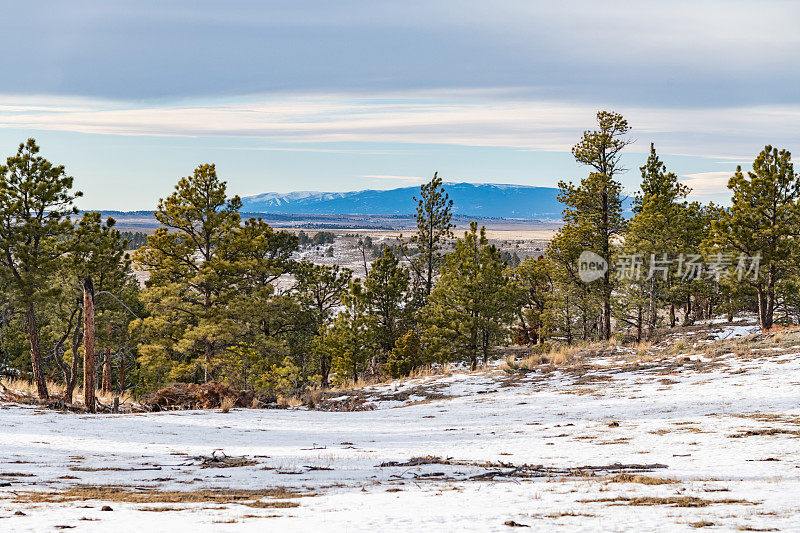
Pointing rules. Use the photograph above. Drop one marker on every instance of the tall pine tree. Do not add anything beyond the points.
(35, 204)
(434, 228)
(764, 221)
(594, 207)
(654, 232)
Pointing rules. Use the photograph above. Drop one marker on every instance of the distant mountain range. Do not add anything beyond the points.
(490, 200)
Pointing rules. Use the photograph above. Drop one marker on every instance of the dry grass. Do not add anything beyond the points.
(314, 396)
(643, 348)
(271, 505)
(360, 383)
(290, 401)
(766, 431)
(563, 514)
(431, 370)
(778, 327)
(679, 346)
(56, 390)
(562, 354)
(132, 495)
(772, 417)
(644, 480)
(228, 403)
(675, 501)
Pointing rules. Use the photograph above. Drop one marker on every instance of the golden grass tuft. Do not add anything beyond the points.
(56, 390)
(643, 480)
(143, 496)
(643, 348)
(679, 346)
(227, 404)
(271, 505)
(290, 401)
(675, 501)
(557, 355)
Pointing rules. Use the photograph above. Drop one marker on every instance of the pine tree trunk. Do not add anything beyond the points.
(765, 311)
(89, 370)
(208, 348)
(639, 320)
(585, 325)
(207, 366)
(36, 355)
(69, 387)
(122, 372)
(324, 370)
(672, 318)
(76, 338)
(770, 300)
(687, 314)
(106, 386)
(607, 289)
(651, 314)
(569, 321)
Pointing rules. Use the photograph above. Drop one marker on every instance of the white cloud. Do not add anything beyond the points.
(492, 117)
(708, 185)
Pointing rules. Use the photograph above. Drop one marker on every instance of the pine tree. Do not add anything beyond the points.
(320, 289)
(471, 306)
(387, 299)
(694, 228)
(350, 341)
(96, 250)
(654, 233)
(405, 356)
(191, 282)
(576, 306)
(434, 228)
(595, 206)
(35, 204)
(534, 279)
(764, 220)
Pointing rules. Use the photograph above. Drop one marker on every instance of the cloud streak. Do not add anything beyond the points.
(494, 117)
(711, 53)
(708, 185)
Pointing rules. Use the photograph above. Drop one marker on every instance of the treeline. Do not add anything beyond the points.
(674, 261)
(227, 299)
(134, 239)
(321, 237)
(46, 258)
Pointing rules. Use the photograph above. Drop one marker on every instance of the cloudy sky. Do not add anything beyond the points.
(321, 95)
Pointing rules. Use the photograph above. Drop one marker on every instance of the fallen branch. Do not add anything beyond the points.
(500, 469)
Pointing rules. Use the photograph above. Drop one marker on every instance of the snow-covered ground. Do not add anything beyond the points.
(689, 412)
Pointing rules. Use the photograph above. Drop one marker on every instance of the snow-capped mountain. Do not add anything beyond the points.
(277, 199)
(470, 199)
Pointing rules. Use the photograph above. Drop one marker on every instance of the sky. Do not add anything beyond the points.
(334, 96)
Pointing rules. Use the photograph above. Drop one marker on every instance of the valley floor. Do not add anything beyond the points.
(622, 441)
